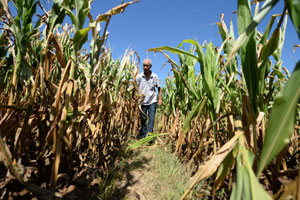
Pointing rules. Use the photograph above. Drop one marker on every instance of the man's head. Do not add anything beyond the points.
(147, 64)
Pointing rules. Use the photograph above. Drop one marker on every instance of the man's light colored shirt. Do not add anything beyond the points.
(147, 87)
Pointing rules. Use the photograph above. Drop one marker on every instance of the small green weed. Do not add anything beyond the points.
(170, 177)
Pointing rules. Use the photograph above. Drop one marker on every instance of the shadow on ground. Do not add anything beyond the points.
(126, 176)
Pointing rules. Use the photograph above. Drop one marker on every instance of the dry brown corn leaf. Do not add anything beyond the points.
(212, 165)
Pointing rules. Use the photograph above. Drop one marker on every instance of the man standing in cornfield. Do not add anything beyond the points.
(147, 82)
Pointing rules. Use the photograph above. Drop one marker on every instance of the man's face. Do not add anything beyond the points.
(146, 65)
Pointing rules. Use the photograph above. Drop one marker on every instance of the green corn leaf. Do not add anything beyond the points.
(216, 97)
(282, 120)
(224, 168)
(244, 15)
(247, 186)
(72, 16)
(82, 10)
(173, 50)
(266, 7)
(231, 31)
(28, 13)
(270, 46)
(228, 45)
(199, 51)
(294, 12)
(265, 37)
(248, 52)
(80, 37)
(195, 43)
(57, 14)
(208, 68)
(192, 114)
(278, 73)
(228, 90)
(223, 30)
(180, 80)
(277, 53)
(147, 139)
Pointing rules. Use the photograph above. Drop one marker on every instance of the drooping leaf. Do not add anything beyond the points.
(282, 120)
(212, 164)
(116, 10)
(247, 186)
(173, 50)
(176, 68)
(225, 168)
(72, 16)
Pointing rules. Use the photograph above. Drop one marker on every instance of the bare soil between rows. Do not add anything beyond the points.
(133, 179)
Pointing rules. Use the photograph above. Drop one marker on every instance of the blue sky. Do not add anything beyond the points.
(155, 23)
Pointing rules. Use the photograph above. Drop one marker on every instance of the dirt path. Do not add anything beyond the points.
(134, 176)
(147, 173)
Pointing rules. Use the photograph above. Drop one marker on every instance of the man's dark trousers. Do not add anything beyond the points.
(147, 128)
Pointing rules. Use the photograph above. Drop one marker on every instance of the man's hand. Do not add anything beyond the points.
(159, 96)
(159, 102)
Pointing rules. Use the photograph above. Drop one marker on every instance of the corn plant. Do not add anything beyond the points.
(245, 99)
(62, 114)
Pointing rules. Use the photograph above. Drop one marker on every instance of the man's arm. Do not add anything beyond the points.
(159, 91)
(159, 96)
